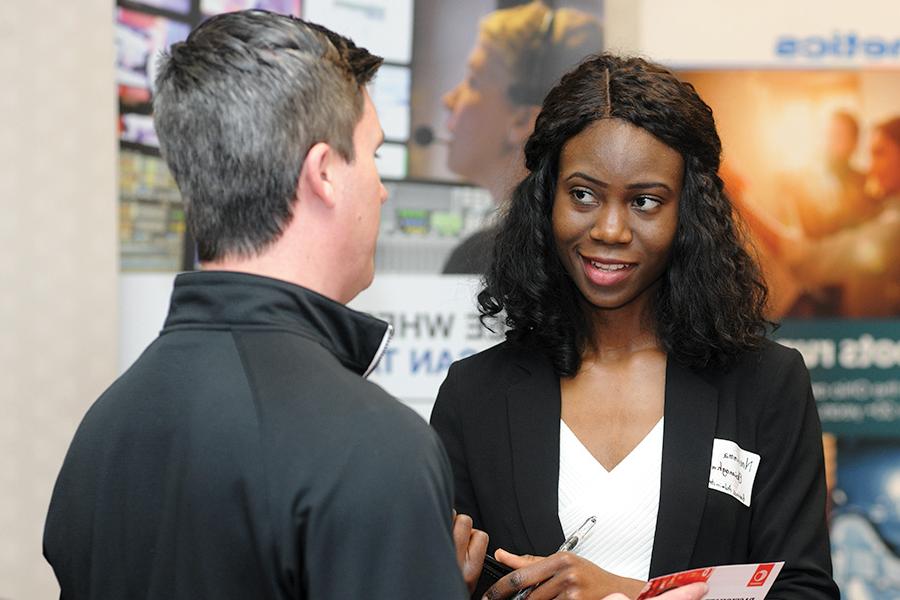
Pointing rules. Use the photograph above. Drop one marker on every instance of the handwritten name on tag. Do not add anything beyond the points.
(733, 470)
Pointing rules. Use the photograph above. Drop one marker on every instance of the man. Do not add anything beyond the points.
(244, 455)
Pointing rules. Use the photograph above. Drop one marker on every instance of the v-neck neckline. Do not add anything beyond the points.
(589, 458)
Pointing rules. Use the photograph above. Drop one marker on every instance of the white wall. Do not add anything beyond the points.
(58, 250)
(622, 27)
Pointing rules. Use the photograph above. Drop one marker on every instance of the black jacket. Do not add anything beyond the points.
(498, 415)
(244, 456)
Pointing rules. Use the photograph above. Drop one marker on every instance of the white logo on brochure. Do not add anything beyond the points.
(733, 470)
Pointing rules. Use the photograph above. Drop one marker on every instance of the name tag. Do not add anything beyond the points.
(733, 470)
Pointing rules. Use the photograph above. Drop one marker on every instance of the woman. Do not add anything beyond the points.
(521, 52)
(635, 383)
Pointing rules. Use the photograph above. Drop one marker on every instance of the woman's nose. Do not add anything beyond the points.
(611, 225)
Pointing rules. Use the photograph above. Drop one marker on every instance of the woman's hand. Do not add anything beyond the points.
(693, 591)
(560, 575)
(471, 545)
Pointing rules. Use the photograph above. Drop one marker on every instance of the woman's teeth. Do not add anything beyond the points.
(607, 267)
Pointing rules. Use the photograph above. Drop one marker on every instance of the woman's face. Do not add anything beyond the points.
(479, 118)
(615, 212)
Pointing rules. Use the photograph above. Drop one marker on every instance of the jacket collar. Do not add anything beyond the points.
(225, 299)
(533, 404)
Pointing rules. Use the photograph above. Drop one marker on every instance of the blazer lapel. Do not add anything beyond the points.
(690, 410)
(533, 410)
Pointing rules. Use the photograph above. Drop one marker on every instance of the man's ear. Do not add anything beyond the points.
(317, 175)
(523, 118)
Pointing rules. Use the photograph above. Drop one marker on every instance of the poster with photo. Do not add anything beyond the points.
(476, 72)
(812, 162)
(468, 55)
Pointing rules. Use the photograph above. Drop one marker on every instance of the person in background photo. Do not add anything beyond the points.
(825, 198)
(519, 55)
(636, 383)
(840, 199)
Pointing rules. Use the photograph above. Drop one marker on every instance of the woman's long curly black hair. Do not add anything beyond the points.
(710, 304)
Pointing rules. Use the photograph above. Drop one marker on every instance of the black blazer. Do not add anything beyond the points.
(498, 414)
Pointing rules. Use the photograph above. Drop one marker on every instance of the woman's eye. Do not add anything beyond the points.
(646, 203)
(582, 196)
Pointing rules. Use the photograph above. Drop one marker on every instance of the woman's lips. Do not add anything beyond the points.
(604, 272)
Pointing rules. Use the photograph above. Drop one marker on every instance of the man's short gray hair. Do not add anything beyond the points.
(237, 107)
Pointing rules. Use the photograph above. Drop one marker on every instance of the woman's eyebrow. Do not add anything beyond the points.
(633, 186)
(585, 176)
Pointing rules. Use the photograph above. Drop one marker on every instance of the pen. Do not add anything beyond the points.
(566, 546)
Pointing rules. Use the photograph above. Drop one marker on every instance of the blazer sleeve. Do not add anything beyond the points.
(788, 519)
(447, 421)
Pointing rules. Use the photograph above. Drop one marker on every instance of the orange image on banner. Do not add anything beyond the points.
(811, 161)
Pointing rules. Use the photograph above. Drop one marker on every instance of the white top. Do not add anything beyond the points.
(624, 500)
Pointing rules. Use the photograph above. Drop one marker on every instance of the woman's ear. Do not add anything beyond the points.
(318, 174)
(523, 118)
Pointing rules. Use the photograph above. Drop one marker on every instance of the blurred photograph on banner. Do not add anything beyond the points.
(478, 75)
(479, 78)
(812, 162)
